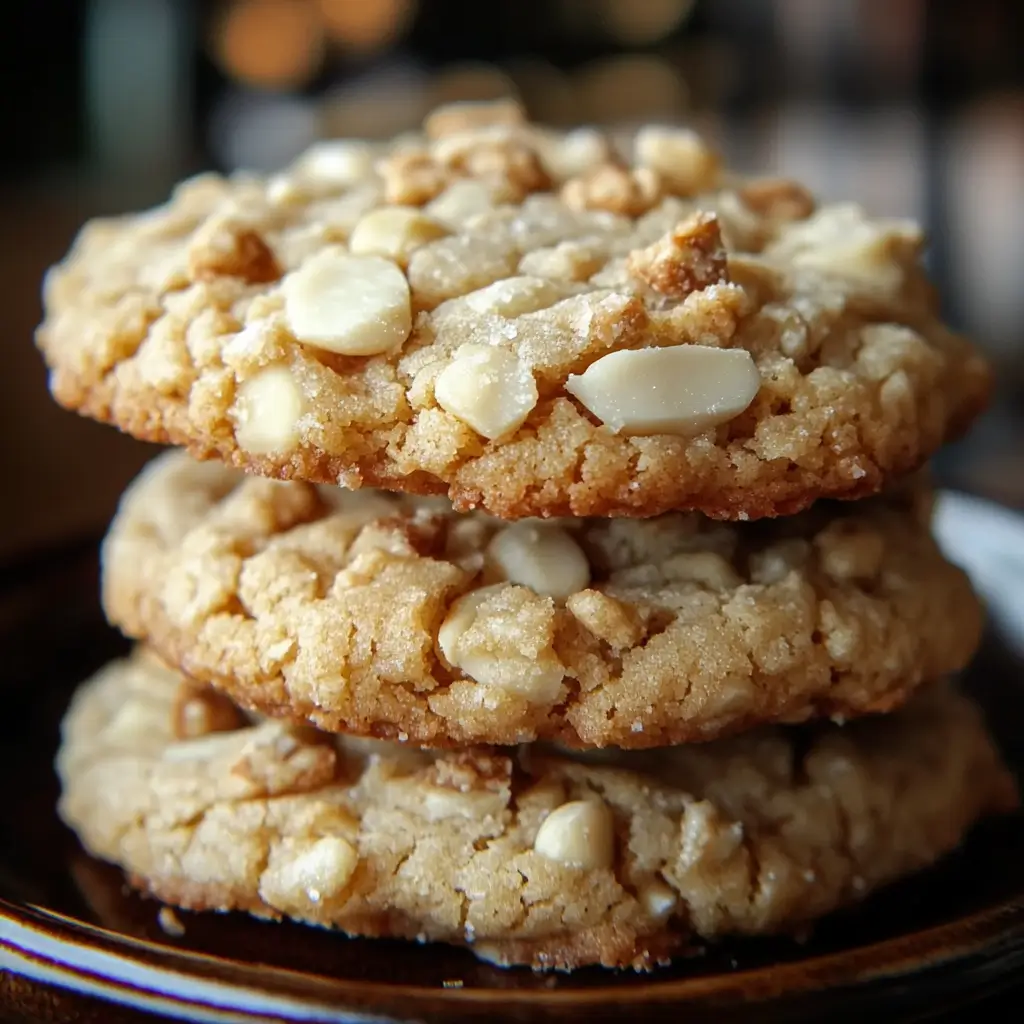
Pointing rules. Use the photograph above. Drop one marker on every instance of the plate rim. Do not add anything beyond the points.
(937, 946)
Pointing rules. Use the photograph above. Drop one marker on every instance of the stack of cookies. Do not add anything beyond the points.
(538, 624)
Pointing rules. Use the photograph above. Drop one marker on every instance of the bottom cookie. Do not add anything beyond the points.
(527, 855)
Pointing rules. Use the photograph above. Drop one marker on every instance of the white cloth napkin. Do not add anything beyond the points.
(988, 542)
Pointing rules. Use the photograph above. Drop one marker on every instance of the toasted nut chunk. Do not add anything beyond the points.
(501, 636)
(686, 164)
(411, 177)
(312, 873)
(355, 305)
(579, 834)
(541, 556)
(489, 389)
(778, 198)
(225, 247)
(338, 162)
(494, 155)
(267, 411)
(686, 389)
(395, 232)
(605, 617)
(614, 189)
(689, 258)
(467, 115)
(515, 296)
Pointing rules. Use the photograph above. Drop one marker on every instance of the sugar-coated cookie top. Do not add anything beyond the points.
(532, 322)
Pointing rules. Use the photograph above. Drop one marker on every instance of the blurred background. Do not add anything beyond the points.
(913, 107)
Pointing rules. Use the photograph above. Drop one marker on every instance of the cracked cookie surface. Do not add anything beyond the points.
(526, 855)
(398, 618)
(434, 316)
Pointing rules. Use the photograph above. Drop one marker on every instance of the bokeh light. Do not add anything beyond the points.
(640, 22)
(366, 24)
(270, 43)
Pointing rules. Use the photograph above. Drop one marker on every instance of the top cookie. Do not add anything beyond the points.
(527, 320)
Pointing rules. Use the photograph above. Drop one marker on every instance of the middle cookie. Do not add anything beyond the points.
(396, 617)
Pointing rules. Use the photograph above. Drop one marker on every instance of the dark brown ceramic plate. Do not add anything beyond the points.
(72, 936)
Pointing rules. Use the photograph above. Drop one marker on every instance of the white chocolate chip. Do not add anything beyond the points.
(339, 162)
(316, 871)
(540, 556)
(515, 296)
(658, 900)
(395, 232)
(489, 389)
(579, 834)
(355, 305)
(487, 645)
(686, 389)
(267, 411)
(680, 156)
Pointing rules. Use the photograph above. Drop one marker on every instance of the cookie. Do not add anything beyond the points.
(527, 855)
(401, 619)
(523, 320)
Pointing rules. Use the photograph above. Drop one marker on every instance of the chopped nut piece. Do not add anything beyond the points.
(608, 619)
(459, 117)
(226, 247)
(501, 637)
(411, 177)
(778, 198)
(686, 389)
(489, 389)
(615, 189)
(495, 155)
(541, 556)
(689, 258)
(267, 411)
(355, 305)
(394, 232)
(579, 834)
(682, 158)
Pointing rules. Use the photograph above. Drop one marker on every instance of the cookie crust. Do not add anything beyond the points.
(333, 606)
(158, 322)
(759, 834)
